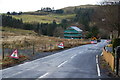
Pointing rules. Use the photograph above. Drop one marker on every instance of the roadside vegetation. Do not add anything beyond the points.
(8, 61)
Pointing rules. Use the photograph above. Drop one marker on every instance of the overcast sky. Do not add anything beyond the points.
(33, 5)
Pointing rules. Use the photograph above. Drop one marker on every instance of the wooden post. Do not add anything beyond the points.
(45, 46)
(33, 48)
(3, 51)
(50, 46)
(117, 55)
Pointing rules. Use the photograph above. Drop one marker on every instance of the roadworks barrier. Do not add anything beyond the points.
(109, 58)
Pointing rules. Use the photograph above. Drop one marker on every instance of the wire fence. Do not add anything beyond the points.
(30, 48)
(26, 51)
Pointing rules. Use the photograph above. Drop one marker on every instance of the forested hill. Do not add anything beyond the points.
(50, 22)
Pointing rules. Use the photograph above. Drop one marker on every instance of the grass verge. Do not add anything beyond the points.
(106, 69)
(8, 61)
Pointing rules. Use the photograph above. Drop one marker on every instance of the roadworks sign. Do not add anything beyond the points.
(14, 54)
(61, 45)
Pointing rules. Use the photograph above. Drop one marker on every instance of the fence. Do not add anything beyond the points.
(27, 51)
(109, 58)
(29, 48)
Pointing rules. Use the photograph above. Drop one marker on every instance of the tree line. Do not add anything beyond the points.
(52, 10)
(14, 13)
(43, 11)
(48, 29)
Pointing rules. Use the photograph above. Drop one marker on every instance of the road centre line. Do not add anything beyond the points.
(73, 56)
(62, 63)
(98, 68)
(43, 75)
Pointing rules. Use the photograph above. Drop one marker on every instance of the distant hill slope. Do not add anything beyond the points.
(49, 17)
(44, 18)
(71, 8)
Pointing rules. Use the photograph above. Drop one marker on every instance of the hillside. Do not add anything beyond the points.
(44, 18)
(15, 32)
(47, 26)
(49, 17)
(70, 9)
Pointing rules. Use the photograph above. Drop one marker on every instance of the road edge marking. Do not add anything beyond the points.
(97, 59)
(98, 68)
(102, 54)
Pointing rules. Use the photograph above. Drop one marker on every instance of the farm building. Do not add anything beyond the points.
(73, 32)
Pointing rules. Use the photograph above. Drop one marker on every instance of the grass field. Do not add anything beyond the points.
(44, 18)
(21, 38)
(7, 31)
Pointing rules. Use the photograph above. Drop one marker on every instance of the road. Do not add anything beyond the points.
(78, 62)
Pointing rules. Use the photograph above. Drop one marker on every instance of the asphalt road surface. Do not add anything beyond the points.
(78, 62)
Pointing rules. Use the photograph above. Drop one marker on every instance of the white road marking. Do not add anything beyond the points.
(101, 53)
(97, 59)
(62, 64)
(73, 56)
(98, 68)
(81, 52)
(44, 75)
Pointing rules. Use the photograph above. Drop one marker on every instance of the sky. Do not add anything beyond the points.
(34, 5)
